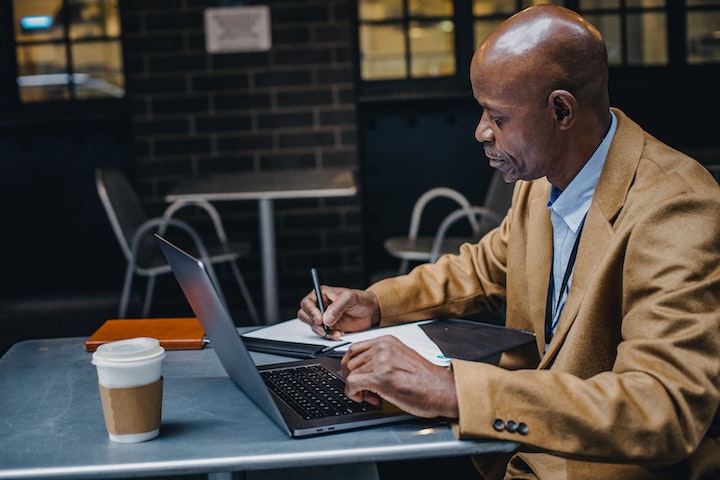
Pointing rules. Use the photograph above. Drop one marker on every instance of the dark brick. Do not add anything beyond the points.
(155, 84)
(281, 120)
(144, 44)
(209, 82)
(303, 56)
(224, 123)
(241, 101)
(304, 98)
(180, 105)
(283, 78)
(182, 146)
(290, 35)
(289, 161)
(177, 63)
(313, 139)
(338, 117)
(242, 61)
(334, 75)
(246, 142)
(293, 14)
(165, 20)
(161, 127)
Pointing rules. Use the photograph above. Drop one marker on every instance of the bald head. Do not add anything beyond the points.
(549, 48)
(542, 80)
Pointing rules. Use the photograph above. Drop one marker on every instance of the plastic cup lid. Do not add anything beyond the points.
(128, 351)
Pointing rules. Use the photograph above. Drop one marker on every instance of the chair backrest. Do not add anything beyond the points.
(121, 205)
(473, 212)
(426, 197)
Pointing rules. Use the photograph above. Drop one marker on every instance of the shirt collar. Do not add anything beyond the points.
(573, 203)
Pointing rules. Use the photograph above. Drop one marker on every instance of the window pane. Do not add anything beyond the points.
(429, 8)
(595, 4)
(95, 18)
(483, 29)
(645, 3)
(703, 37)
(432, 49)
(695, 3)
(491, 7)
(36, 20)
(382, 52)
(98, 67)
(647, 39)
(42, 75)
(379, 9)
(609, 26)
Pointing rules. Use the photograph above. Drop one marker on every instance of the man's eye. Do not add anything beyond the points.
(497, 120)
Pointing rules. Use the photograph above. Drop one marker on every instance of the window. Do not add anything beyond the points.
(703, 31)
(408, 40)
(66, 50)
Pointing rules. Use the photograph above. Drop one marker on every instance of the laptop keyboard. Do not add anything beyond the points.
(312, 391)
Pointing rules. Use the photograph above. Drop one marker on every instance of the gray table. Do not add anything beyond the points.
(265, 187)
(51, 426)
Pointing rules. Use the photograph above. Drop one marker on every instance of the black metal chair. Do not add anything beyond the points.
(134, 232)
(482, 219)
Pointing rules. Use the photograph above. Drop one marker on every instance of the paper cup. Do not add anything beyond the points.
(130, 383)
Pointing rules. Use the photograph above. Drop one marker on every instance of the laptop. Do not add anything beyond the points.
(303, 397)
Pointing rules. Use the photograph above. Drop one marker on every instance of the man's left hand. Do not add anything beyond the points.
(385, 368)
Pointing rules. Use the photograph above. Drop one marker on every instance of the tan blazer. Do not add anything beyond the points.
(630, 385)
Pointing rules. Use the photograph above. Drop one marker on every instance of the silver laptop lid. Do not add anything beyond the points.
(215, 318)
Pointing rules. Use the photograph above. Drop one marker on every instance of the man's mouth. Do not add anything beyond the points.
(493, 156)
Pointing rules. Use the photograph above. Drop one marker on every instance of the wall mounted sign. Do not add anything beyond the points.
(237, 29)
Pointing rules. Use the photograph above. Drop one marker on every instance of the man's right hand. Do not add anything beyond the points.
(346, 310)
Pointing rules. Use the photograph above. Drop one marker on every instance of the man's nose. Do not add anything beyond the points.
(483, 132)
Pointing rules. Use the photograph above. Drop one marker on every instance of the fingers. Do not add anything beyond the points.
(309, 313)
(385, 367)
(346, 310)
(360, 375)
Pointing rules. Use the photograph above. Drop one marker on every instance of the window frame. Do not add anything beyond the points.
(464, 19)
(15, 113)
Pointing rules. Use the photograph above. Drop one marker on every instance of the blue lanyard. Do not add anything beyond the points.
(549, 310)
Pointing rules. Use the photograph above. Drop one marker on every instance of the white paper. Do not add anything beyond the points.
(410, 334)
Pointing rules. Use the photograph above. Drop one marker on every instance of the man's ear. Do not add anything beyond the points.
(564, 107)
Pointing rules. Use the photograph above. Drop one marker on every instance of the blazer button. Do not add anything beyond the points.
(522, 428)
(498, 425)
(512, 426)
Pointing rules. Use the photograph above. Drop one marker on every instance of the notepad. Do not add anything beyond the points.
(183, 333)
(437, 340)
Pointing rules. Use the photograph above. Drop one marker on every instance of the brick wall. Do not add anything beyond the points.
(291, 107)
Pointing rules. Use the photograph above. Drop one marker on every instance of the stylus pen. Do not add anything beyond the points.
(318, 294)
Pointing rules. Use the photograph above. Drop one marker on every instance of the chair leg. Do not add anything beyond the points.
(403, 267)
(245, 293)
(125, 296)
(149, 290)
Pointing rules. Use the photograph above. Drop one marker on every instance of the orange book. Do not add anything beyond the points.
(173, 333)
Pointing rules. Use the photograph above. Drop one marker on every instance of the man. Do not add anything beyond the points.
(610, 253)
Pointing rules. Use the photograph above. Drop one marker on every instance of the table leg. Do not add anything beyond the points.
(269, 261)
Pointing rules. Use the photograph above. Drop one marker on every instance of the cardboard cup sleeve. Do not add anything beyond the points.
(132, 410)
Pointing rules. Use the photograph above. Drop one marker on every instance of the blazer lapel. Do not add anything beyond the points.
(538, 262)
(609, 197)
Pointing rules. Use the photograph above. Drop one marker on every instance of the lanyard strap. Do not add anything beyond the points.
(549, 310)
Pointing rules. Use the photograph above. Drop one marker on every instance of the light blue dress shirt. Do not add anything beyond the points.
(567, 212)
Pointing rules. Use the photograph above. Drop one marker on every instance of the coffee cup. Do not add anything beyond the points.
(130, 383)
